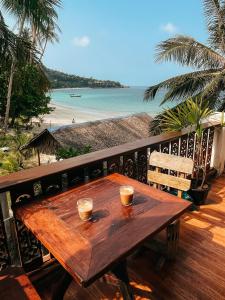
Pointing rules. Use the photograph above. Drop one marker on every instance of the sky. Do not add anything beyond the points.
(117, 39)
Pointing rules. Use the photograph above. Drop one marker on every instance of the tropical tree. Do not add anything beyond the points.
(44, 30)
(14, 159)
(7, 41)
(30, 86)
(208, 81)
(29, 98)
(64, 153)
(50, 35)
(38, 14)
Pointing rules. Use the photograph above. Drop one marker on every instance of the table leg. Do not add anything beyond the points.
(168, 251)
(120, 271)
(60, 289)
(173, 232)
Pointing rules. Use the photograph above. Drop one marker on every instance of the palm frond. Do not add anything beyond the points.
(215, 18)
(10, 44)
(187, 114)
(38, 13)
(188, 52)
(7, 39)
(215, 85)
(182, 86)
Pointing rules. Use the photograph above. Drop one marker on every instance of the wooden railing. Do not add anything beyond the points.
(131, 159)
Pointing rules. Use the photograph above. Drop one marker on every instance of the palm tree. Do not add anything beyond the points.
(50, 35)
(208, 81)
(39, 14)
(45, 30)
(7, 40)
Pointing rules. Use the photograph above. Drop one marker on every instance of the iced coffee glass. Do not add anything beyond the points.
(126, 195)
(85, 207)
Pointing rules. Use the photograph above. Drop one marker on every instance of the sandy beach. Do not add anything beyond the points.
(64, 115)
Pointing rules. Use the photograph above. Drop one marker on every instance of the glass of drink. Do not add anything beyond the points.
(85, 207)
(126, 195)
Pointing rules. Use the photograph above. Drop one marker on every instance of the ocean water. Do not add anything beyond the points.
(114, 100)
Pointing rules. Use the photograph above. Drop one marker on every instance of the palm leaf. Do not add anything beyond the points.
(188, 52)
(215, 18)
(182, 86)
(10, 44)
(190, 113)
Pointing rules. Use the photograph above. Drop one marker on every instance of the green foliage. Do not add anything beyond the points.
(208, 82)
(15, 140)
(30, 85)
(63, 153)
(20, 51)
(9, 43)
(190, 114)
(40, 16)
(29, 97)
(63, 80)
(14, 159)
(10, 162)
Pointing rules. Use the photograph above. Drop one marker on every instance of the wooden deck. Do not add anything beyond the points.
(198, 273)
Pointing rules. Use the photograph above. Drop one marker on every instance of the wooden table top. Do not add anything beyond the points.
(88, 249)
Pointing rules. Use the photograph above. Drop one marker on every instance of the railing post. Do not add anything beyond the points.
(10, 229)
(218, 151)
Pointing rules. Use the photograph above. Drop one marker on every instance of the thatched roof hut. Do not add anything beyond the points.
(44, 142)
(97, 134)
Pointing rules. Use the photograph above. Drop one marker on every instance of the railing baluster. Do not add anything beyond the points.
(114, 165)
(209, 148)
(184, 143)
(142, 165)
(5, 259)
(129, 165)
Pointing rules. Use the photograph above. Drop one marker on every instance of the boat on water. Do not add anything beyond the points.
(74, 95)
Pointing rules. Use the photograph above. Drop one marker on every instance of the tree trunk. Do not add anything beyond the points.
(10, 84)
(12, 120)
(44, 48)
(9, 93)
(34, 35)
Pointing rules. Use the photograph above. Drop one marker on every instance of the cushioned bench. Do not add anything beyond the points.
(15, 285)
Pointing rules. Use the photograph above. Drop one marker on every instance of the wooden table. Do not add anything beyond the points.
(87, 250)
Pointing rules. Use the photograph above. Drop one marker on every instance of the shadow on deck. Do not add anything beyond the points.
(198, 273)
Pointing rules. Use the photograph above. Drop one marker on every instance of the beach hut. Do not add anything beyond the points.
(44, 142)
(96, 134)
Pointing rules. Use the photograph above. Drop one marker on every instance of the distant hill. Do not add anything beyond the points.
(62, 80)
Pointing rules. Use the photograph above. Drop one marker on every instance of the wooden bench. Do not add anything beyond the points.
(15, 285)
(170, 171)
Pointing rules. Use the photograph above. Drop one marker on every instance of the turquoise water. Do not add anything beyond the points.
(118, 101)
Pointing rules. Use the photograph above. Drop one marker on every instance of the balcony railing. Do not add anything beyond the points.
(17, 245)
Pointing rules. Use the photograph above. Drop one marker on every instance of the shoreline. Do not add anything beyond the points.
(64, 115)
(92, 88)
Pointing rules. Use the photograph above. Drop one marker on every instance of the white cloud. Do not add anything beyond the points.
(169, 28)
(81, 41)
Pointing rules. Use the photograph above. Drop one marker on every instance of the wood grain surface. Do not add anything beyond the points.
(88, 249)
(171, 162)
(169, 180)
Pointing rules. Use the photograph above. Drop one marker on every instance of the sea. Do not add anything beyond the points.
(117, 101)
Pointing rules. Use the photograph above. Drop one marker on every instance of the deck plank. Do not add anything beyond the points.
(198, 273)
